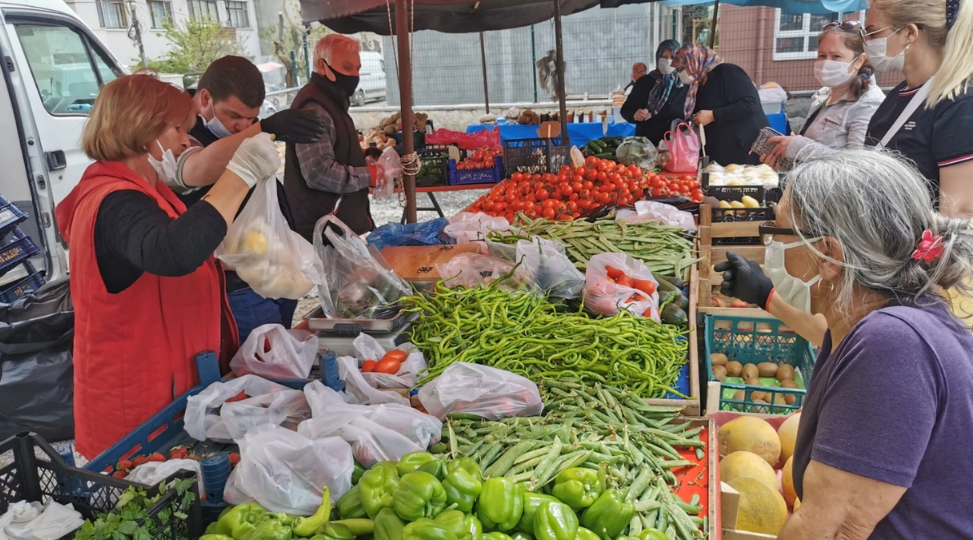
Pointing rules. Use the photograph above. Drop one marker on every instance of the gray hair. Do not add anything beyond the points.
(334, 42)
(877, 207)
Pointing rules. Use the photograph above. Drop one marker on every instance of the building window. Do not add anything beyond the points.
(161, 13)
(112, 14)
(203, 10)
(796, 34)
(237, 15)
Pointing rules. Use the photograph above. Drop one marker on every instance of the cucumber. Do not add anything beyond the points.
(598, 145)
(593, 149)
(673, 314)
(605, 155)
(668, 284)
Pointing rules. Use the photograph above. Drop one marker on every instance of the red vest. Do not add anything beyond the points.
(134, 351)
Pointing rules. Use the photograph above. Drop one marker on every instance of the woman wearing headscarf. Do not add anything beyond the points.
(722, 98)
(656, 100)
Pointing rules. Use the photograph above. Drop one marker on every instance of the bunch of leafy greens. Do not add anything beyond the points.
(131, 519)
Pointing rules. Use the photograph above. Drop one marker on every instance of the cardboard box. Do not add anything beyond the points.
(729, 508)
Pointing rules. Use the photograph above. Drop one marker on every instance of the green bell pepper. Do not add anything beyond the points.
(555, 521)
(609, 515)
(467, 464)
(285, 519)
(269, 530)
(418, 495)
(495, 535)
(426, 529)
(334, 531)
(501, 504)
(385, 464)
(585, 534)
(214, 528)
(358, 527)
(652, 534)
(578, 488)
(462, 488)
(532, 501)
(388, 526)
(412, 461)
(377, 487)
(520, 535)
(357, 473)
(241, 520)
(350, 506)
(464, 526)
(215, 537)
(435, 467)
(305, 526)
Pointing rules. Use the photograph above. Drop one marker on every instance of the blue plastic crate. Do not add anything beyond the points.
(10, 215)
(22, 287)
(16, 252)
(492, 175)
(751, 340)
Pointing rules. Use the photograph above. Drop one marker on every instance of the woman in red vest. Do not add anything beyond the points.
(148, 293)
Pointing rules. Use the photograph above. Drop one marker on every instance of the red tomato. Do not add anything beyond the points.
(548, 213)
(517, 177)
(588, 185)
(585, 193)
(566, 190)
(577, 186)
(368, 366)
(574, 197)
(388, 365)
(543, 195)
(573, 207)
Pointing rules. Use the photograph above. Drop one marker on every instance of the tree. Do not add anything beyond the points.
(195, 45)
(278, 39)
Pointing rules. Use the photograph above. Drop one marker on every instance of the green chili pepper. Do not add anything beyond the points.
(306, 526)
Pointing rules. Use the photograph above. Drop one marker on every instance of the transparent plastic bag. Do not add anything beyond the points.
(359, 388)
(657, 212)
(467, 227)
(368, 348)
(387, 169)
(274, 352)
(481, 390)
(549, 268)
(606, 297)
(475, 270)
(209, 414)
(357, 282)
(637, 151)
(274, 260)
(286, 471)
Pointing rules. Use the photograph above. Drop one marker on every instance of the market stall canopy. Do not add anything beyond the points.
(450, 16)
(814, 7)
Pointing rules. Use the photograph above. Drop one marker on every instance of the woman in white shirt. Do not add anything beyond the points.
(840, 112)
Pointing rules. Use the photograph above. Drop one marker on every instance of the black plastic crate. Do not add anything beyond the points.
(10, 292)
(38, 473)
(535, 155)
(722, 215)
(435, 168)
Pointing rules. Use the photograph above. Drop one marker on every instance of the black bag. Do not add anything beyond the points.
(36, 367)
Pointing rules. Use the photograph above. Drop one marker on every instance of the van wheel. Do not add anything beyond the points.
(358, 99)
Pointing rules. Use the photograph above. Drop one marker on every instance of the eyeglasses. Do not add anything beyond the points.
(882, 30)
(768, 229)
(845, 26)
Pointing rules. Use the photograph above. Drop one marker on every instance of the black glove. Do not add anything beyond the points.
(745, 280)
(293, 126)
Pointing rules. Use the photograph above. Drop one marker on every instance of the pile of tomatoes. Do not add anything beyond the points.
(573, 191)
(481, 158)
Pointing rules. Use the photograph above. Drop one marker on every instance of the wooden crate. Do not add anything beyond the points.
(710, 255)
(691, 407)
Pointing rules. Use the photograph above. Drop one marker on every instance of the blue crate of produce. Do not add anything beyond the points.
(10, 215)
(22, 287)
(492, 175)
(16, 252)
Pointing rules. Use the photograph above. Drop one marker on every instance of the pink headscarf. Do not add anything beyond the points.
(698, 61)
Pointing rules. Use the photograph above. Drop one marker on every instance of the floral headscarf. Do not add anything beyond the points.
(659, 95)
(697, 61)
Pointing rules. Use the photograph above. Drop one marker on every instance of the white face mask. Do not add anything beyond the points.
(216, 127)
(792, 290)
(876, 50)
(833, 74)
(166, 168)
(665, 66)
(686, 78)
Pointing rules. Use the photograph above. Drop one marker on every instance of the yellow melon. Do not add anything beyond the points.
(745, 463)
(762, 509)
(788, 436)
(797, 504)
(787, 482)
(752, 435)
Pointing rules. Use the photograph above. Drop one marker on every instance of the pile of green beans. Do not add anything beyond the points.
(604, 428)
(662, 249)
(524, 332)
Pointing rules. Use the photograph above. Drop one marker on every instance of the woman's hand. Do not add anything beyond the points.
(778, 151)
(642, 115)
(256, 159)
(745, 280)
(703, 118)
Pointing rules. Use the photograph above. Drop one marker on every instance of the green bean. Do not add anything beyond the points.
(507, 460)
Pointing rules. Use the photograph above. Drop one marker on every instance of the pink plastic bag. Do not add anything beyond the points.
(683, 147)
(605, 297)
(467, 141)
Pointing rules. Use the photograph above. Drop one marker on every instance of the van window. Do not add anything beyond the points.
(61, 62)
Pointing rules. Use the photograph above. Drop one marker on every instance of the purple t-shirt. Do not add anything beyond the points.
(894, 403)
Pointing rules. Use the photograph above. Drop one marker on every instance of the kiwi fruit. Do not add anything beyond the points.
(718, 359)
(750, 371)
(785, 372)
(761, 396)
(752, 381)
(734, 368)
(720, 373)
(739, 395)
(789, 398)
(767, 369)
(757, 409)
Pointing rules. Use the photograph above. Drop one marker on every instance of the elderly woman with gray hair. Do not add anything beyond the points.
(891, 396)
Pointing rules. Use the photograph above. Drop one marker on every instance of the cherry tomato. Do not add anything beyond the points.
(566, 190)
(543, 195)
(588, 185)
(548, 213)
(549, 203)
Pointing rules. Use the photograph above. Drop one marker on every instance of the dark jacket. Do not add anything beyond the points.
(309, 205)
(654, 128)
(737, 113)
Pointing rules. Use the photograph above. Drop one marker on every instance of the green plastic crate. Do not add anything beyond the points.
(751, 340)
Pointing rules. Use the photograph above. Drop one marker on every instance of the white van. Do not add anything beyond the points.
(52, 67)
(371, 85)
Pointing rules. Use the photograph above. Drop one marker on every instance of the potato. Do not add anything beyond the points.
(767, 369)
(784, 372)
(718, 359)
(750, 371)
(734, 368)
(720, 373)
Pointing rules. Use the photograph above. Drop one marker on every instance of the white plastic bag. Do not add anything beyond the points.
(549, 268)
(467, 227)
(606, 297)
(285, 471)
(360, 389)
(657, 212)
(474, 270)
(481, 390)
(368, 348)
(274, 260)
(274, 352)
(388, 167)
(210, 416)
(153, 472)
(357, 278)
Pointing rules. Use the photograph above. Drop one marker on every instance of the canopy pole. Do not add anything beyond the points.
(712, 25)
(486, 87)
(559, 60)
(405, 93)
